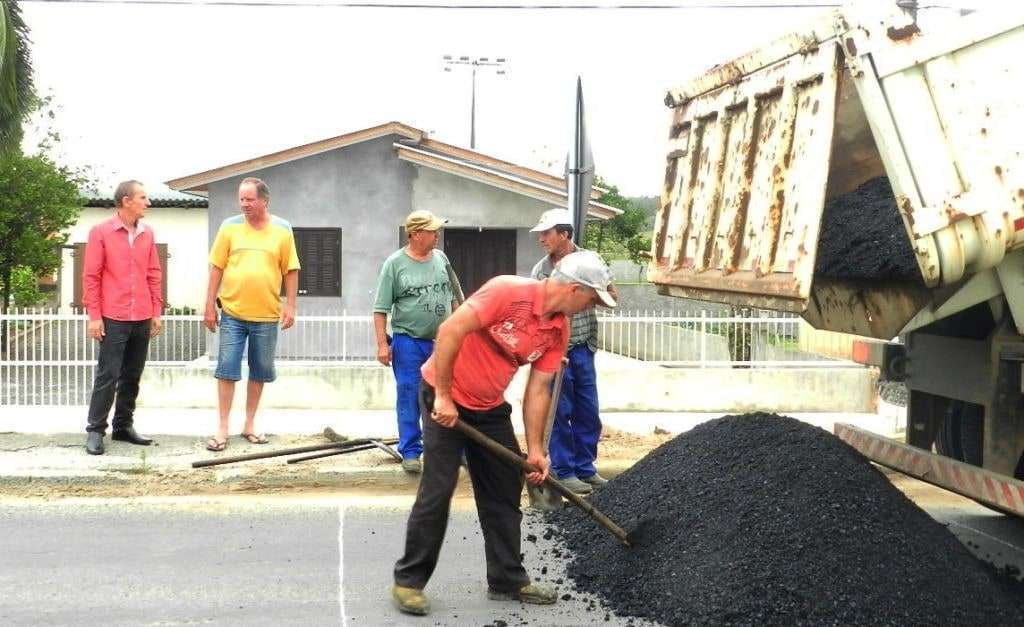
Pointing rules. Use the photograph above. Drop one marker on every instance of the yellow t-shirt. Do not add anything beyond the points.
(254, 262)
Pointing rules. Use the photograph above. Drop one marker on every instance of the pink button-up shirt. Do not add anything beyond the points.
(122, 278)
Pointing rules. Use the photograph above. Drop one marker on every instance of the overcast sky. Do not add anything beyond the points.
(157, 92)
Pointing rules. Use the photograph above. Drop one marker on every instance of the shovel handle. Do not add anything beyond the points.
(515, 460)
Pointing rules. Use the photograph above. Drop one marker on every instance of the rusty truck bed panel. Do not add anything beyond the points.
(746, 181)
(757, 144)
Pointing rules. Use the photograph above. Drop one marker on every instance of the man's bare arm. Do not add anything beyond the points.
(291, 292)
(210, 315)
(380, 330)
(535, 409)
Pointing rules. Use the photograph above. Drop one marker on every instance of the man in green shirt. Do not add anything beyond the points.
(413, 288)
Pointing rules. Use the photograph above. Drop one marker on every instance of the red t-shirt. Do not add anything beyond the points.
(513, 334)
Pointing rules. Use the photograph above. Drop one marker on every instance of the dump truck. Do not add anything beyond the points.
(771, 200)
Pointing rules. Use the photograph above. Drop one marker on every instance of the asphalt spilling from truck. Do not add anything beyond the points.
(760, 519)
(863, 237)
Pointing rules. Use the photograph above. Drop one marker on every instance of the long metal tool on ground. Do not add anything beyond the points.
(217, 461)
(321, 455)
(362, 447)
(511, 458)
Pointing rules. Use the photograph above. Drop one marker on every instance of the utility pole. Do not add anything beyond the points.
(500, 66)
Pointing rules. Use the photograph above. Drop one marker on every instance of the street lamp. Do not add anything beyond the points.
(500, 66)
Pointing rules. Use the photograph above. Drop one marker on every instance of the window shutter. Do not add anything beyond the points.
(78, 254)
(162, 254)
(319, 252)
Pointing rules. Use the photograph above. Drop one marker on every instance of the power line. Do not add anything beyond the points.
(768, 4)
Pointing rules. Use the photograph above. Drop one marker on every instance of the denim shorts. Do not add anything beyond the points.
(262, 340)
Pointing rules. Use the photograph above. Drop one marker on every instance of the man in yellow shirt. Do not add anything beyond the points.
(252, 255)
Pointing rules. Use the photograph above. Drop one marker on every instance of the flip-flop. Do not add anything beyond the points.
(215, 445)
(253, 438)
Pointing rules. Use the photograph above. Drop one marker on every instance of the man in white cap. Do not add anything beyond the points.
(509, 322)
(577, 426)
(413, 288)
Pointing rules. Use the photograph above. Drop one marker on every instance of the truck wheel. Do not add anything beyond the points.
(972, 425)
(948, 440)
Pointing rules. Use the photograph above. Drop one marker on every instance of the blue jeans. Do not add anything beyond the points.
(577, 426)
(262, 340)
(408, 354)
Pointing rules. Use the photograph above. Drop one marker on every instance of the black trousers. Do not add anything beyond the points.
(121, 360)
(496, 489)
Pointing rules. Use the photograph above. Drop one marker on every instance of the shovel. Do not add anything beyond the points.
(552, 484)
(541, 497)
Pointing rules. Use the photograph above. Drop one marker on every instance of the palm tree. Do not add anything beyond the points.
(16, 91)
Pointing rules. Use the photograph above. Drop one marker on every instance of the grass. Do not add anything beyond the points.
(144, 467)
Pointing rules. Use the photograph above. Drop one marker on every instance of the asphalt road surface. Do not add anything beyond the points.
(255, 561)
(315, 559)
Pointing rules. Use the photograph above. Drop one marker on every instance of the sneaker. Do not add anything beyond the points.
(577, 486)
(594, 480)
(412, 465)
(530, 593)
(410, 600)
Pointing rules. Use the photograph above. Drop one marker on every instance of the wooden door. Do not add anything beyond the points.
(478, 255)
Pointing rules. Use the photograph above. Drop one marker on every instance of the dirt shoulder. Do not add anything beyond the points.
(56, 466)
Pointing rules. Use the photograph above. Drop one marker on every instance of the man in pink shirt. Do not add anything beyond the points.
(507, 323)
(121, 287)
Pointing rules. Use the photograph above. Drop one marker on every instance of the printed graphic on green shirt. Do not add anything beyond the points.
(416, 295)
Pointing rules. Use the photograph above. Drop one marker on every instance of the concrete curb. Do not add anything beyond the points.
(233, 479)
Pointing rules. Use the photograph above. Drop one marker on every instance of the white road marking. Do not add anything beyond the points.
(341, 564)
(985, 535)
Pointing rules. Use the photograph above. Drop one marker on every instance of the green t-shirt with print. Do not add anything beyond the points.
(416, 295)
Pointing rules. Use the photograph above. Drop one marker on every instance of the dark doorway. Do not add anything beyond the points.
(478, 255)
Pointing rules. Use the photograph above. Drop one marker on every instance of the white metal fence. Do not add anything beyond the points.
(46, 357)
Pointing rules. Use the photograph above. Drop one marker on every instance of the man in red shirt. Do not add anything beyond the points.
(509, 322)
(121, 285)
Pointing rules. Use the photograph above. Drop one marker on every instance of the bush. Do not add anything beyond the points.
(179, 311)
(25, 288)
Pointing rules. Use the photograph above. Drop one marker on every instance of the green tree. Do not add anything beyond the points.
(39, 202)
(626, 235)
(17, 94)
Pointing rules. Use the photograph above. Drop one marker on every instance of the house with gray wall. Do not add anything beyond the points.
(346, 198)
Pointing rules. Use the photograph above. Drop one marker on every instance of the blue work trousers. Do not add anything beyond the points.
(408, 354)
(577, 426)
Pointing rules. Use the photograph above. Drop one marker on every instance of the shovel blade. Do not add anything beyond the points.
(543, 498)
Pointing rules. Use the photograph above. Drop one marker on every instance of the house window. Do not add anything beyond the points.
(319, 253)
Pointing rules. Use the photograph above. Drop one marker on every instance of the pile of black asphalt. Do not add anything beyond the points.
(863, 237)
(760, 519)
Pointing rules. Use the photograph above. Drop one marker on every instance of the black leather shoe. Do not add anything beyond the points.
(130, 435)
(94, 443)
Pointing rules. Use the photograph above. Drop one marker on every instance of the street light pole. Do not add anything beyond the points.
(500, 66)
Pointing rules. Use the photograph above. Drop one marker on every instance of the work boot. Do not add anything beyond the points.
(530, 593)
(129, 434)
(594, 480)
(94, 443)
(577, 486)
(410, 600)
(412, 465)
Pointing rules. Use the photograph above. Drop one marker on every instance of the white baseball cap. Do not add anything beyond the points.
(552, 218)
(586, 268)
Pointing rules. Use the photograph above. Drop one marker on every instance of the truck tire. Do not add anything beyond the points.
(962, 435)
(972, 434)
(947, 439)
